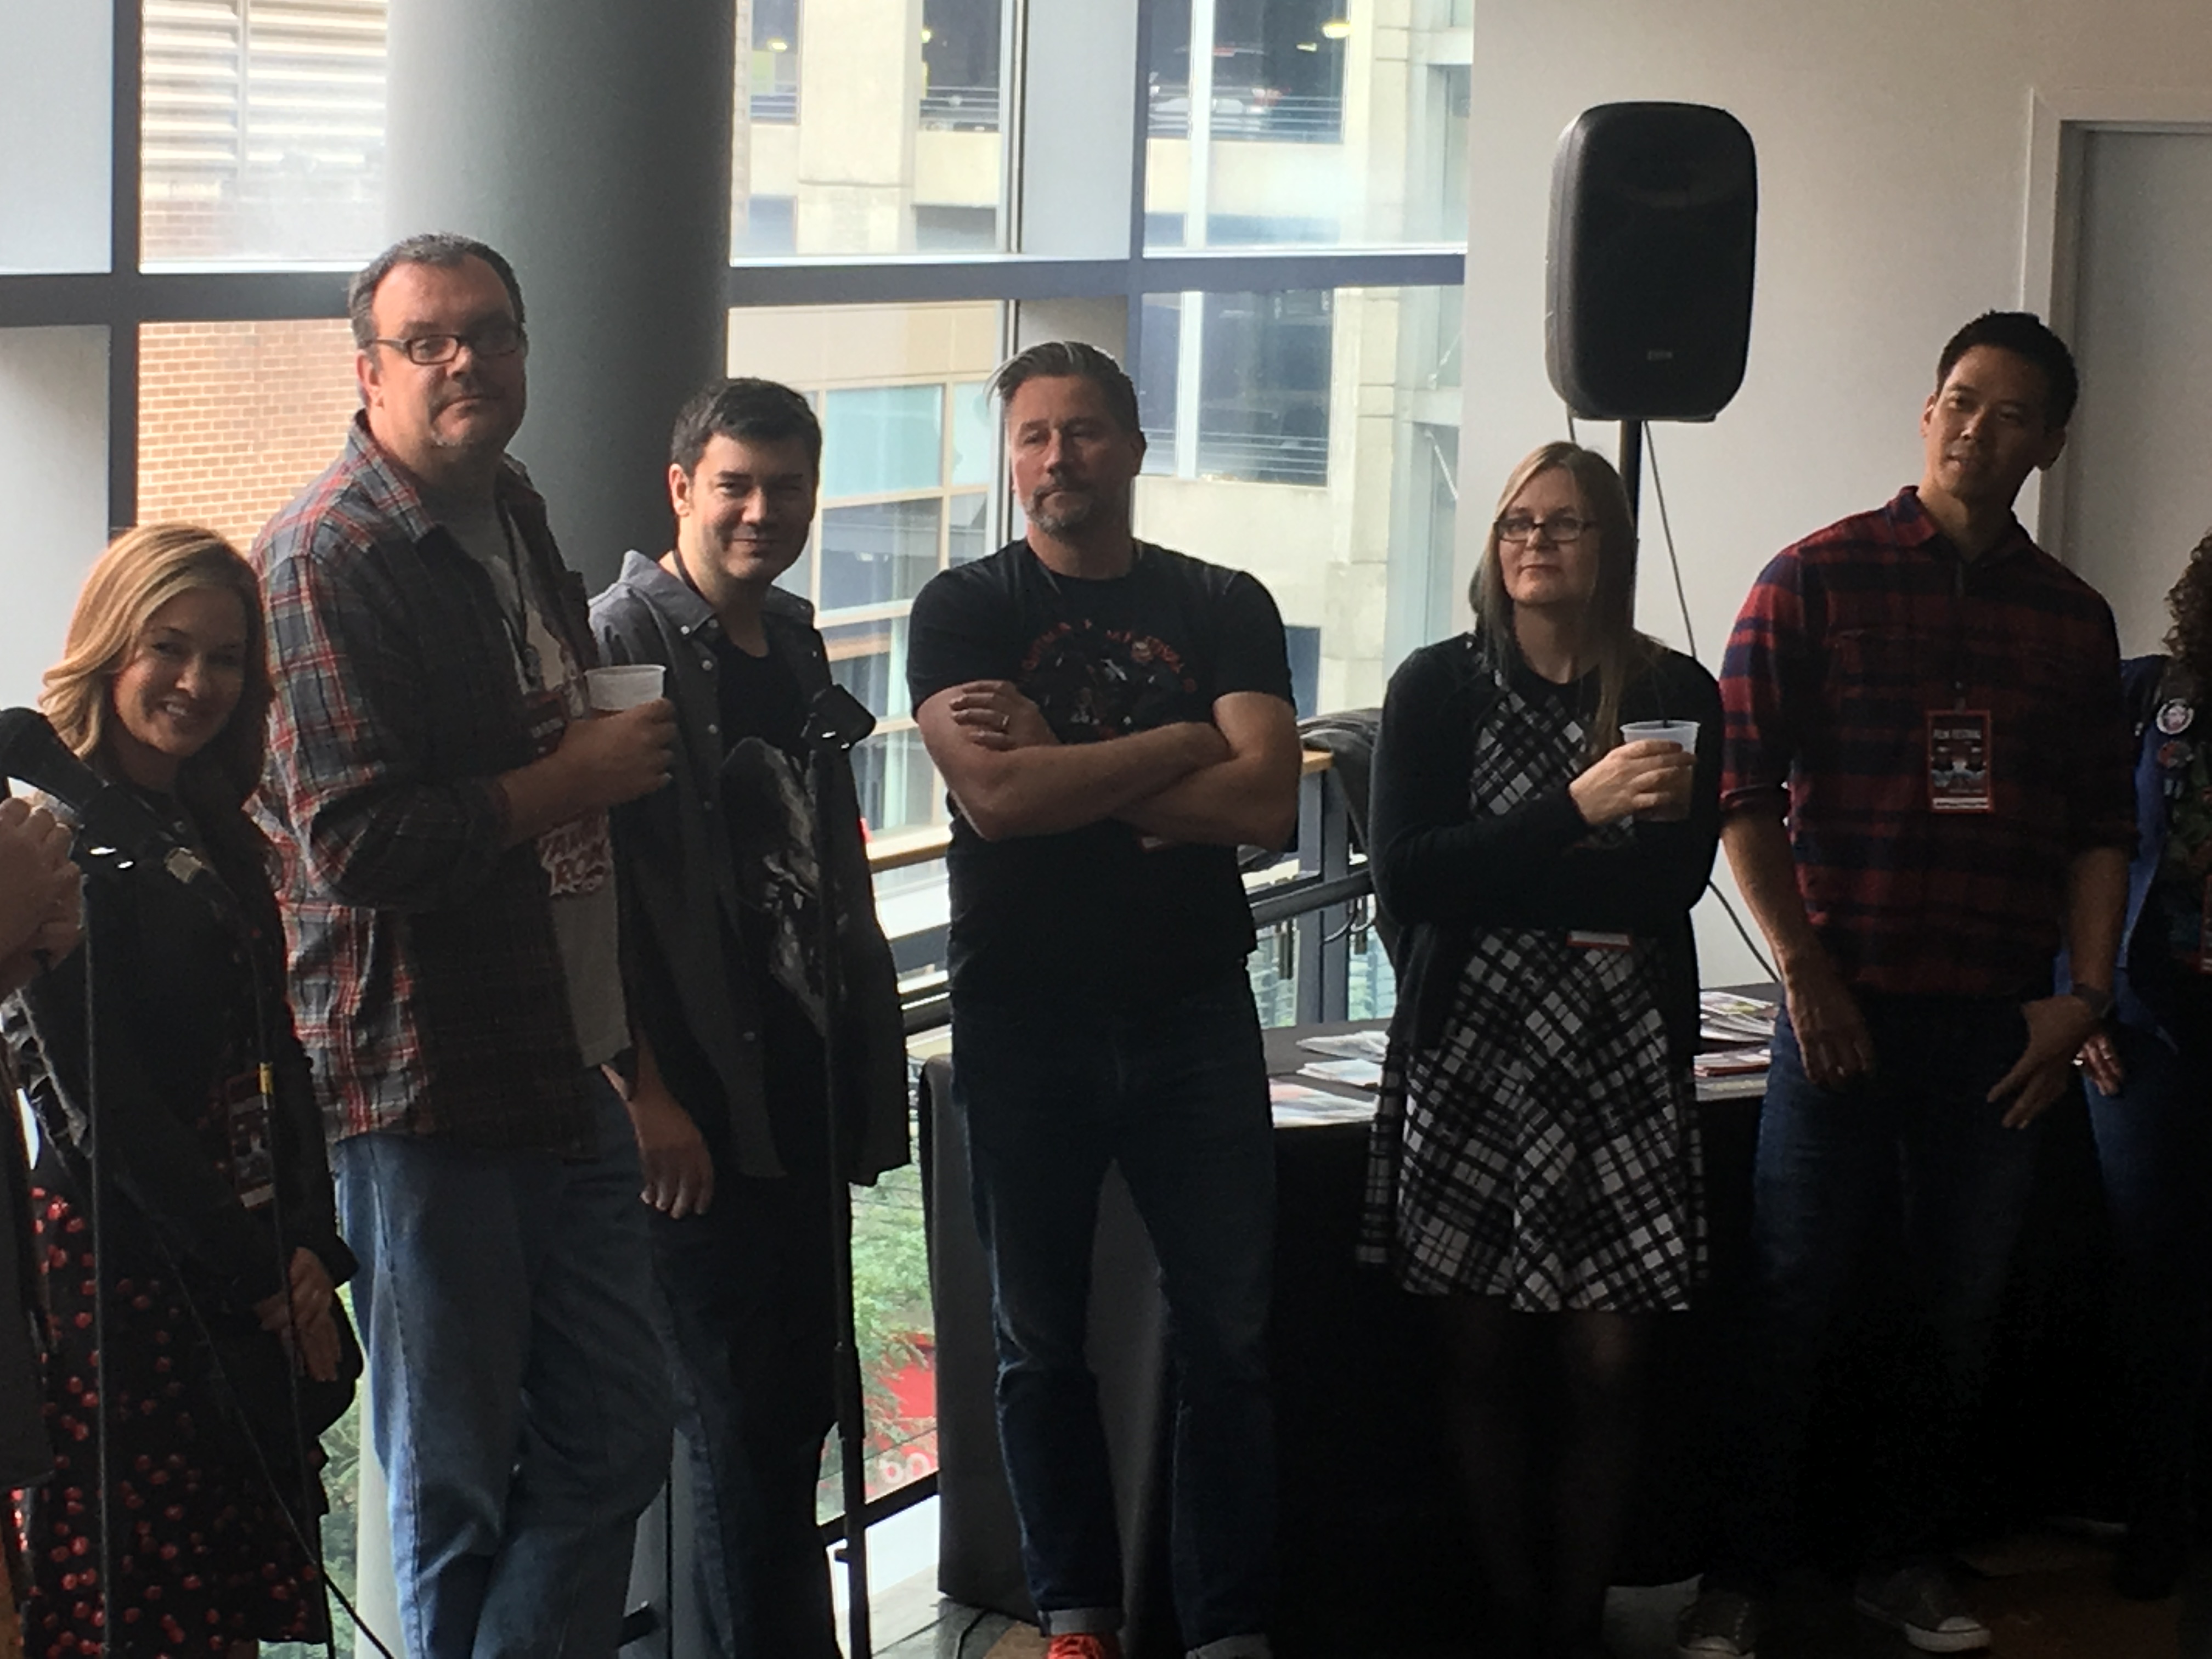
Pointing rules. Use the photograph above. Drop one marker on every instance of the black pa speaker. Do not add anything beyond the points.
(1647, 313)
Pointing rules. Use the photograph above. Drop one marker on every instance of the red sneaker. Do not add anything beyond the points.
(1086, 1644)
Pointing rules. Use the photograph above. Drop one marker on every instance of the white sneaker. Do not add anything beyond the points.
(1925, 1606)
(1719, 1625)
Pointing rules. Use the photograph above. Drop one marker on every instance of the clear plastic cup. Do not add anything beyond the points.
(610, 690)
(1683, 734)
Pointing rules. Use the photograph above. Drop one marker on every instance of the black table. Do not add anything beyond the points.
(1372, 1544)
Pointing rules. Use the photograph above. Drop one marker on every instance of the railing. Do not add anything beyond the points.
(960, 109)
(1246, 457)
(1263, 457)
(1319, 892)
(1259, 113)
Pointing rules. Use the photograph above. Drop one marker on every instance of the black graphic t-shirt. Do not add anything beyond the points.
(1092, 908)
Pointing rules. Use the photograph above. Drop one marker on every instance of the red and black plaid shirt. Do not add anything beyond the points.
(425, 973)
(1847, 642)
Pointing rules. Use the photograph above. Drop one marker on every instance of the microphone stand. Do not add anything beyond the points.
(836, 722)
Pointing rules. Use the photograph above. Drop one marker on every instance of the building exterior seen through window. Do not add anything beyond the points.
(263, 131)
(1275, 122)
(888, 144)
(908, 474)
(1310, 437)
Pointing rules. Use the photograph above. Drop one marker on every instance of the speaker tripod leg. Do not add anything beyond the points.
(1632, 466)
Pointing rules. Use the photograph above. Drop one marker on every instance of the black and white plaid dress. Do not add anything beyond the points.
(1545, 1149)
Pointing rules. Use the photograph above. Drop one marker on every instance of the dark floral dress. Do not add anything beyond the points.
(211, 1486)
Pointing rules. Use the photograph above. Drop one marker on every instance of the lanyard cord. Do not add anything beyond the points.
(517, 625)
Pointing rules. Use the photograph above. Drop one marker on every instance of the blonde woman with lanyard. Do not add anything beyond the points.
(215, 1232)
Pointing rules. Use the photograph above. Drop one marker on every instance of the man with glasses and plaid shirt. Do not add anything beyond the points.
(438, 800)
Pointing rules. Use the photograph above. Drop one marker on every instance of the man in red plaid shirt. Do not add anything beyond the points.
(1927, 791)
(438, 800)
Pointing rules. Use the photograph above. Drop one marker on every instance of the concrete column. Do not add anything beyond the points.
(859, 108)
(590, 142)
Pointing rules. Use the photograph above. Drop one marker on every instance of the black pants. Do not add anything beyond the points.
(747, 1292)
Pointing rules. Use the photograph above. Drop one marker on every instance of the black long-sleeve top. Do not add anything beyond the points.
(1446, 870)
(174, 1013)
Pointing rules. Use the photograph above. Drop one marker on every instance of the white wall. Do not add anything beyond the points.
(1894, 154)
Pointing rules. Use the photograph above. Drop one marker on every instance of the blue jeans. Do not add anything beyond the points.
(1913, 1145)
(521, 1410)
(2155, 1152)
(1175, 1093)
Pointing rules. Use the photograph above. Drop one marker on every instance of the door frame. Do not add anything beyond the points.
(2060, 121)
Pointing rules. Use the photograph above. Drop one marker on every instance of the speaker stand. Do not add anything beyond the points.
(1632, 467)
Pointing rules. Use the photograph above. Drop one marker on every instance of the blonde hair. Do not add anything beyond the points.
(1622, 652)
(142, 570)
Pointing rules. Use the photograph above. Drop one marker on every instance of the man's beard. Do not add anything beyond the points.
(1082, 507)
(475, 441)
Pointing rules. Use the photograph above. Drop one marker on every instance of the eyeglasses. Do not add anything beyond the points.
(1561, 529)
(501, 337)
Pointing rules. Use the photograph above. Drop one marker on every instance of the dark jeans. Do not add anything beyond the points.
(1913, 1147)
(747, 1313)
(2155, 1152)
(1175, 1093)
(746, 1293)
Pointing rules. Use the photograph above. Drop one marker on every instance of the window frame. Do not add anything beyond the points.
(125, 296)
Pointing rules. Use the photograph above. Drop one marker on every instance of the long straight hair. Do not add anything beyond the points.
(1617, 651)
(142, 570)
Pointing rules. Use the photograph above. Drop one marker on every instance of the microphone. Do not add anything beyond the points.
(114, 825)
(836, 719)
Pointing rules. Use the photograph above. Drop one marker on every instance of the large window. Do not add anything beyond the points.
(1258, 205)
(1309, 436)
(264, 132)
(235, 418)
(1274, 122)
(868, 128)
(906, 469)
(53, 466)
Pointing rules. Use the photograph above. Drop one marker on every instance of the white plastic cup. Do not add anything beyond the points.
(1683, 734)
(610, 690)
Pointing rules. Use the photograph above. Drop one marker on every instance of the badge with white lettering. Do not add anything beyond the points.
(1959, 761)
(2174, 717)
(244, 1101)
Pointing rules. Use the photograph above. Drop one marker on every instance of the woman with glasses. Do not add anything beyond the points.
(1534, 1164)
(190, 1270)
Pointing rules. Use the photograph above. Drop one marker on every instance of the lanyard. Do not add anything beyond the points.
(1959, 632)
(517, 625)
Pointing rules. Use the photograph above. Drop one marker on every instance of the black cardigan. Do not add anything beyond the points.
(175, 1012)
(1445, 871)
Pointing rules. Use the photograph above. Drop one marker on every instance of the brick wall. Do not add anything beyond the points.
(234, 417)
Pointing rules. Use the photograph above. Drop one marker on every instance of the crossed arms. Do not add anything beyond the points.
(1231, 781)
